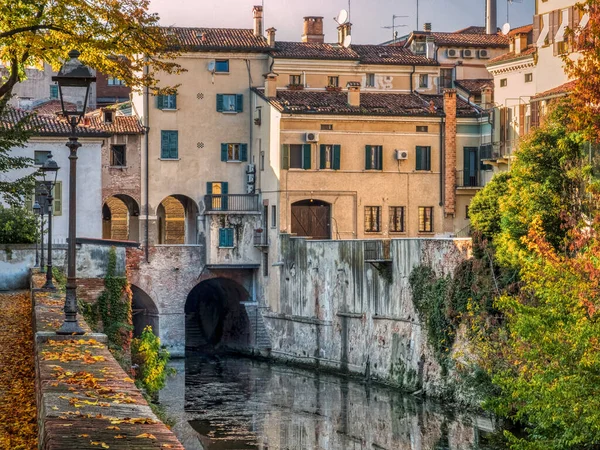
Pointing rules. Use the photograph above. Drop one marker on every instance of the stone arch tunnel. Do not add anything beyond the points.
(215, 316)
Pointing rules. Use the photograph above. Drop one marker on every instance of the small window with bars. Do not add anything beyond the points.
(372, 219)
(295, 80)
(425, 219)
(333, 81)
(117, 155)
(397, 219)
(370, 81)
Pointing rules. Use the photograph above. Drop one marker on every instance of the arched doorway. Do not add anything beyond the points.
(120, 218)
(215, 316)
(176, 217)
(311, 219)
(143, 312)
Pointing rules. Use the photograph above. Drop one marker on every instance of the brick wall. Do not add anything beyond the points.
(89, 289)
(450, 146)
(104, 91)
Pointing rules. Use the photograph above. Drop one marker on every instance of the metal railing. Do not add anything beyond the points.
(377, 250)
(261, 238)
(231, 203)
(468, 179)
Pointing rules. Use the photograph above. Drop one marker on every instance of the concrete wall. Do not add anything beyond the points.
(335, 310)
(243, 251)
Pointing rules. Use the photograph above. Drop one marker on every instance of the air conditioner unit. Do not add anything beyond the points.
(467, 54)
(312, 137)
(484, 54)
(452, 53)
(401, 154)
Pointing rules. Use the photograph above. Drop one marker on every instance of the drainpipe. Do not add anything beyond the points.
(251, 113)
(411, 77)
(147, 151)
(442, 156)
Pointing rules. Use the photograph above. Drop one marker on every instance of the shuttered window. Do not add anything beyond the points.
(166, 101)
(374, 157)
(423, 158)
(230, 103)
(169, 144)
(41, 199)
(296, 156)
(329, 156)
(226, 237)
(234, 152)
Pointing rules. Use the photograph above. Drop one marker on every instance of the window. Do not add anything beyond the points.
(40, 157)
(425, 219)
(373, 157)
(218, 190)
(169, 144)
(54, 91)
(38, 197)
(273, 216)
(446, 78)
(397, 219)
(222, 66)
(370, 82)
(226, 237)
(528, 77)
(420, 48)
(422, 128)
(326, 126)
(503, 82)
(234, 152)
(112, 81)
(372, 219)
(117, 155)
(265, 264)
(333, 81)
(423, 158)
(423, 80)
(166, 101)
(295, 80)
(230, 103)
(296, 156)
(329, 156)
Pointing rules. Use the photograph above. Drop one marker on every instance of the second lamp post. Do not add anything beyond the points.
(49, 173)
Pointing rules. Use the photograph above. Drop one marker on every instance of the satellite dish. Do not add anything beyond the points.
(505, 28)
(211, 66)
(342, 17)
(347, 41)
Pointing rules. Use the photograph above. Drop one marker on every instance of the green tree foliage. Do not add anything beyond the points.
(151, 359)
(484, 209)
(17, 226)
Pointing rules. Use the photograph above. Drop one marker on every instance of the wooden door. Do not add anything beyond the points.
(311, 219)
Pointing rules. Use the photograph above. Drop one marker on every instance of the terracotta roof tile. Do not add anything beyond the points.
(312, 50)
(199, 39)
(119, 125)
(474, 86)
(51, 107)
(377, 54)
(466, 39)
(519, 30)
(510, 56)
(558, 91)
(327, 102)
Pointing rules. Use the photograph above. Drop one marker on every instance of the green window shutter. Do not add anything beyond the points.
(164, 144)
(380, 157)
(174, 96)
(239, 103)
(174, 144)
(224, 198)
(160, 101)
(419, 156)
(243, 152)
(222, 237)
(322, 164)
(428, 151)
(57, 202)
(223, 152)
(285, 156)
(230, 237)
(368, 157)
(336, 157)
(219, 102)
(306, 156)
(29, 202)
(208, 188)
(225, 187)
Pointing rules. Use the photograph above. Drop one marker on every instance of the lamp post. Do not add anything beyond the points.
(36, 212)
(74, 80)
(43, 206)
(49, 173)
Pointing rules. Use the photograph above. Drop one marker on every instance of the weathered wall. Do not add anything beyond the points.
(17, 259)
(338, 311)
(243, 251)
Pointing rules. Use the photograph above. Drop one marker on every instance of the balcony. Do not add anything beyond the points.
(377, 251)
(469, 180)
(231, 203)
(261, 238)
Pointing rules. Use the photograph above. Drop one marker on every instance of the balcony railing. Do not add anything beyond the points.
(468, 179)
(377, 251)
(261, 238)
(231, 203)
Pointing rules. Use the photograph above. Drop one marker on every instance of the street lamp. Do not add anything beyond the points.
(49, 173)
(36, 212)
(74, 80)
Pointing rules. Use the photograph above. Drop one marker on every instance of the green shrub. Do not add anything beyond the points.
(151, 359)
(17, 226)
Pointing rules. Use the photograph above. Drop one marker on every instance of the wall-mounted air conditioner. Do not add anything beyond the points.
(483, 54)
(312, 137)
(467, 53)
(452, 53)
(401, 154)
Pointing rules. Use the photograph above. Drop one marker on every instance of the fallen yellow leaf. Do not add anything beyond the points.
(146, 435)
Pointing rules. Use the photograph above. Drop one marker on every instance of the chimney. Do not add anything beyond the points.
(258, 20)
(343, 31)
(491, 26)
(520, 43)
(313, 30)
(486, 97)
(450, 150)
(271, 84)
(427, 27)
(429, 47)
(353, 93)
(271, 37)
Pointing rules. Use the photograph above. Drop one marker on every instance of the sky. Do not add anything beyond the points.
(367, 16)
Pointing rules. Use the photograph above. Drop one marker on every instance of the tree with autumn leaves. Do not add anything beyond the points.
(545, 355)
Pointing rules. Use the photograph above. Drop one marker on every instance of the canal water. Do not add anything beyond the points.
(227, 403)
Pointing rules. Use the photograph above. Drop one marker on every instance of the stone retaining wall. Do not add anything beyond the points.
(84, 399)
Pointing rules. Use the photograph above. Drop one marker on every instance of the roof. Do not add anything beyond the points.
(51, 107)
(474, 86)
(466, 37)
(558, 91)
(374, 104)
(376, 54)
(512, 56)
(206, 39)
(119, 125)
(520, 30)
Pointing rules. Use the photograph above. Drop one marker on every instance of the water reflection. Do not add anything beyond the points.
(231, 403)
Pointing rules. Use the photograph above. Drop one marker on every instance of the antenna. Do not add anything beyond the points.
(211, 66)
(347, 41)
(393, 27)
(342, 17)
(505, 28)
